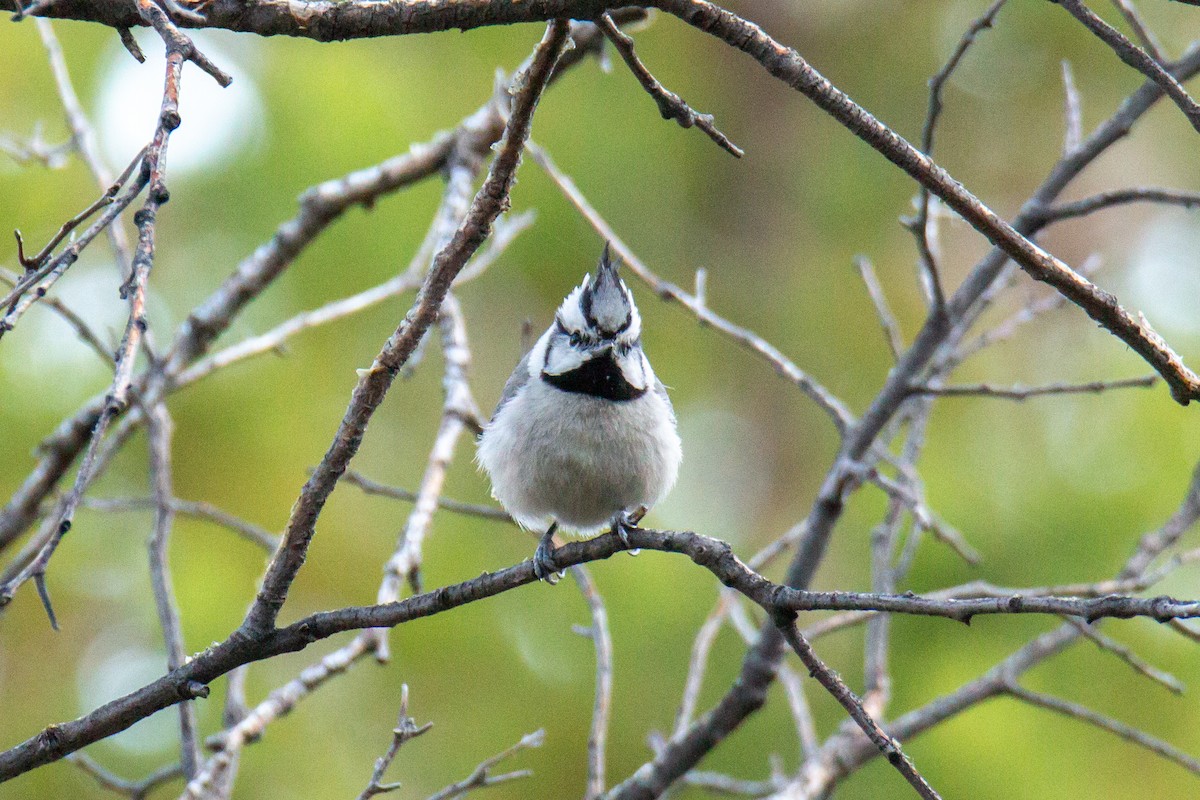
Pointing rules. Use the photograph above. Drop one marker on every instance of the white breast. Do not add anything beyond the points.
(578, 460)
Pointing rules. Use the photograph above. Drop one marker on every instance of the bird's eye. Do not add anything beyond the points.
(576, 340)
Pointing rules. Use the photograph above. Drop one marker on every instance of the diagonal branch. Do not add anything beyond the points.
(670, 105)
(153, 176)
(787, 65)
(1126, 732)
(374, 383)
(886, 743)
(1135, 57)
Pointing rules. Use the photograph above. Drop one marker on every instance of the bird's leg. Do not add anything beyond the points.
(543, 558)
(625, 522)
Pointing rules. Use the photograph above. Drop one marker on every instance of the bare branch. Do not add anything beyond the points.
(1149, 42)
(1139, 194)
(1135, 662)
(670, 105)
(1072, 111)
(1126, 732)
(83, 136)
(85, 332)
(160, 430)
(834, 407)
(470, 509)
(134, 790)
(1135, 57)
(406, 729)
(374, 383)
(849, 701)
(914, 501)
(1025, 392)
(601, 638)
(891, 327)
(35, 284)
(482, 775)
(199, 510)
(919, 224)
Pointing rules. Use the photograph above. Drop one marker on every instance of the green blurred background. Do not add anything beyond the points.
(1053, 490)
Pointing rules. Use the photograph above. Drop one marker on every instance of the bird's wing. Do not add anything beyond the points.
(519, 378)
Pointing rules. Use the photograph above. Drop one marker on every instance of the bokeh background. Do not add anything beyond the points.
(1050, 490)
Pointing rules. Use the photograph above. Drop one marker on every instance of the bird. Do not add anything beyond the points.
(584, 437)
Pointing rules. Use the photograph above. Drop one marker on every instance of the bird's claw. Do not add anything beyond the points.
(543, 559)
(625, 522)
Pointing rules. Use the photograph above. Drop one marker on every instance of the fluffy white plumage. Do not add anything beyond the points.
(584, 430)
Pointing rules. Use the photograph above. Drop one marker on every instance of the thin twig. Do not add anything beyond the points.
(1135, 57)
(482, 775)
(1126, 732)
(199, 510)
(134, 790)
(833, 406)
(1139, 194)
(83, 136)
(33, 263)
(1140, 29)
(1072, 111)
(470, 509)
(1026, 392)
(1135, 662)
(36, 284)
(891, 327)
(849, 701)
(85, 332)
(670, 105)
(912, 499)
(601, 638)
(160, 431)
(920, 223)
(406, 729)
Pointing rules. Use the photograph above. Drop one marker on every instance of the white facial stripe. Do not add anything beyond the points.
(633, 366)
(570, 313)
(560, 358)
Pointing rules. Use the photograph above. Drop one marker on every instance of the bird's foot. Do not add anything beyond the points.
(543, 558)
(625, 522)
